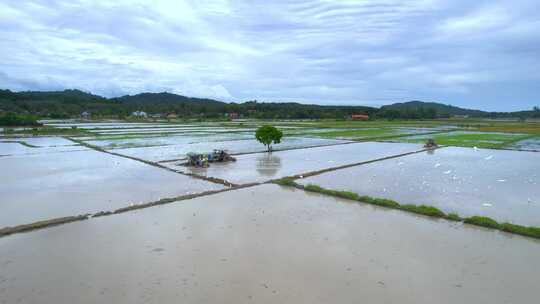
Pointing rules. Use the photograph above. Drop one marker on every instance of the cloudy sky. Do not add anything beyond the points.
(477, 54)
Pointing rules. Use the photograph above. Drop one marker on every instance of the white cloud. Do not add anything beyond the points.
(311, 51)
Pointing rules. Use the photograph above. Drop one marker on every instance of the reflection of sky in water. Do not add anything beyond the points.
(294, 162)
(232, 146)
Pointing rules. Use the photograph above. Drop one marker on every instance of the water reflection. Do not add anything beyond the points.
(268, 164)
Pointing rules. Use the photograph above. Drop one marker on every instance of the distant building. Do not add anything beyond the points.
(359, 117)
(140, 114)
(86, 115)
(172, 116)
(158, 115)
(232, 115)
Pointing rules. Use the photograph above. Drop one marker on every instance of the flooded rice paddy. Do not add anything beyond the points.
(264, 243)
(51, 185)
(37, 145)
(267, 244)
(532, 144)
(266, 166)
(232, 146)
(504, 185)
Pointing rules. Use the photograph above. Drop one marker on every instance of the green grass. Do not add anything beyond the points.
(522, 230)
(482, 221)
(480, 140)
(379, 201)
(454, 217)
(286, 181)
(357, 133)
(426, 210)
(338, 193)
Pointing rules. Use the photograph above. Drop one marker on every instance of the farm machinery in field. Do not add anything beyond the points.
(203, 160)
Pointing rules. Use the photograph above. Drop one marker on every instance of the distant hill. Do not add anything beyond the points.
(162, 98)
(71, 103)
(440, 109)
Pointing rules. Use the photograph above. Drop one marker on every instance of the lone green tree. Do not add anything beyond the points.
(268, 135)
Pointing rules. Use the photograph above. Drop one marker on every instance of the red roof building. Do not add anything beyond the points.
(360, 117)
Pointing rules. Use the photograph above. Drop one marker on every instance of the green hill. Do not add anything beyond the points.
(441, 110)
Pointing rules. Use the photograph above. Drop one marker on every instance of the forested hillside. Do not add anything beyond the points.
(72, 103)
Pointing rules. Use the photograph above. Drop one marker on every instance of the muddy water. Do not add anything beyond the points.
(233, 146)
(504, 185)
(267, 245)
(44, 186)
(264, 166)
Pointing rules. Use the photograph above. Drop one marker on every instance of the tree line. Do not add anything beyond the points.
(72, 103)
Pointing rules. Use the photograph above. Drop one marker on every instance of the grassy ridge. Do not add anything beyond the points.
(482, 140)
(426, 210)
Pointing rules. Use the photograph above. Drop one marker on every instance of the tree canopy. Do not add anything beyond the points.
(268, 135)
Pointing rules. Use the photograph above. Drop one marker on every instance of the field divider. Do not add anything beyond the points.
(424, 210)
(5, 231)
(313, 173)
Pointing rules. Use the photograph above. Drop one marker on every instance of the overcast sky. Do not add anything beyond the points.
(476, 54)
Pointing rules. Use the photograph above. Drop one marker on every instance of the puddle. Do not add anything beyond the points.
(504, 185)
(260, 245)
(45, 186)
(263, 167)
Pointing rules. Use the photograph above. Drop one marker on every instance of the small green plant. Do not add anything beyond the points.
(268, 135)
(453, 217)
(338, 193)
(482, 221)
(379, 201)
(425, 210)
(522, 230)
(286, 181)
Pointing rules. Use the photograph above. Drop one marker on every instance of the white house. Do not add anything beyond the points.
(140, 114)
(86, 115)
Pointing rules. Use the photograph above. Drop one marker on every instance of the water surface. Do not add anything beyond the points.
(267, 245)
(267, 166)
(504, 185)
(50, 185)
